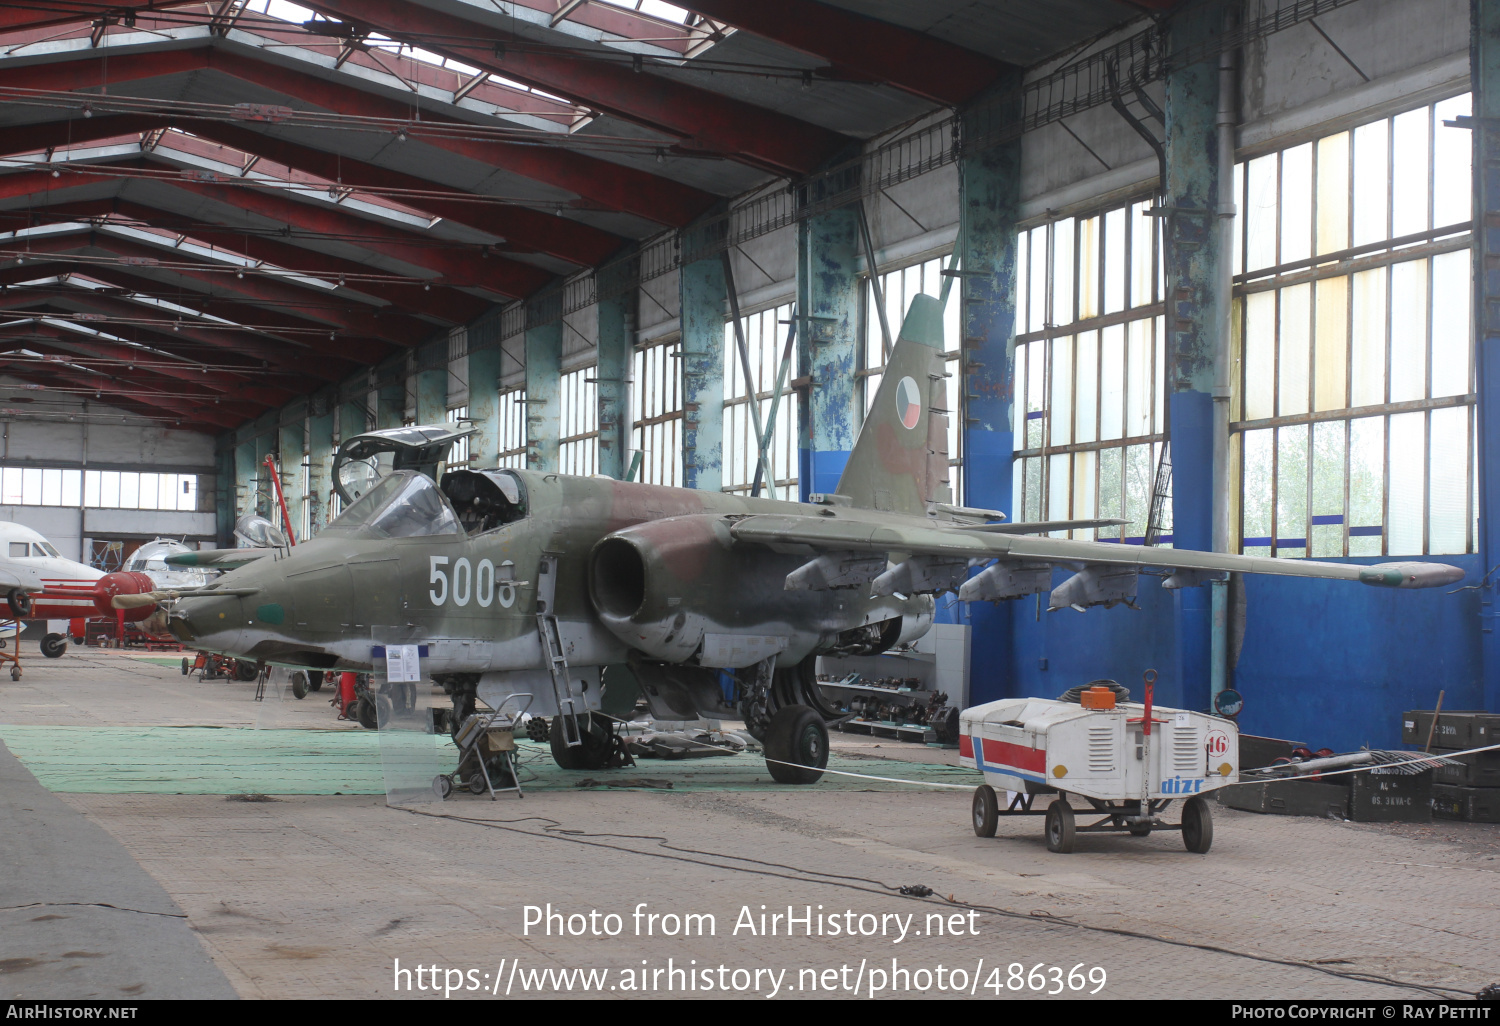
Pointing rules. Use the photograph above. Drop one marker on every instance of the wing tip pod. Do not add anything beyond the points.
(1410, 575)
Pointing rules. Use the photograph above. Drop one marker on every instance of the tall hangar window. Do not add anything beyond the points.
(511, 444)
(765, 340)
(1354, 413)
(656, 412)
(1089, 356)
(578, 448)
(898, 287)
(458, 455)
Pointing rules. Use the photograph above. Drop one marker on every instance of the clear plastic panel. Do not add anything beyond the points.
(1059, 477)
(1087, 356)
(1452, 276)
(1333, 193)
(1089, 260)
(1452, 164)
(1260, 213)
(1369, 326)
(1291, 491)
(1138, 472)
(1112, 382)
(1260, 355)
(1111, 488)
(1138, 385)
(1085, 469)
(1328, 490)
(1062, 392)
(1410, 135)
(1450, 481)
(412, 754)
(1256, 513)
(1063, 270)
(1294, 357)
(1408, 331)
(1114, 261)
(1404, 528)
(1366, 485)
(1296, 203)
(1331, 345)
(1371, 182)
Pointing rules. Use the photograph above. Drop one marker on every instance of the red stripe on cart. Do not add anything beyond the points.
(1003, 753)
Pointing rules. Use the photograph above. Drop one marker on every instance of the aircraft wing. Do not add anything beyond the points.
(939, 547)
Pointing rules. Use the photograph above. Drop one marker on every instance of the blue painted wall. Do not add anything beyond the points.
(1331, 663)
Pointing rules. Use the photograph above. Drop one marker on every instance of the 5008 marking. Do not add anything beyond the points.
(477, 583)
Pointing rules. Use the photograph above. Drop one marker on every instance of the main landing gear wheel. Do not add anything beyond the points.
(986, 811)
(1061, 829)
(245, 670)
(796, 735)
(593, 754)
(315, 680)
(19, 602)
(54, 645)
(186, 666)
(364, 712)
(1197, 825)
(299, 685)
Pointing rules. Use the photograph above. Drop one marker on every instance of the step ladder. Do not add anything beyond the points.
(552, 652)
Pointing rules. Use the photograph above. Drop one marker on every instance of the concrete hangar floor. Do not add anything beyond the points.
(134, 868)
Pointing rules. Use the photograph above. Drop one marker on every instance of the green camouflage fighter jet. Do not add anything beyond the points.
(590, 594)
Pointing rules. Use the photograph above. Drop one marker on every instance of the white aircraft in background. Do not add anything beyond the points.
(39, 583)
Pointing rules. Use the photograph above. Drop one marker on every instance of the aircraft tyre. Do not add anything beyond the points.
(54, 645)
(1197, 825)
(19, 602)
(245, 670)
(796, 735)
(185, 666)
(315, 680)
(986, 811)
(1062, 831)
(593, 754)
(299, 685)
(364, 712)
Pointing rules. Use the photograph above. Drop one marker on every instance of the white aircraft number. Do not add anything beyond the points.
(468, 582)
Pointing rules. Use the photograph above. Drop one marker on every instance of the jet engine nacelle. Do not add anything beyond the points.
(649, 583)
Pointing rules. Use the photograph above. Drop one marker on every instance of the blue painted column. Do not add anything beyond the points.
(484, 406)
(320, 468)
(828, 341)
(1484, 53)
(1192, 255)
(989, 204)
(704, 300)
(616, 327)
(543, 395)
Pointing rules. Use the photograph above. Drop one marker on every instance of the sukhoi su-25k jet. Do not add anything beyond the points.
(590, 594)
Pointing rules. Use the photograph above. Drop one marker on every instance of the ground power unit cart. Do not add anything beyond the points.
(1127, 761)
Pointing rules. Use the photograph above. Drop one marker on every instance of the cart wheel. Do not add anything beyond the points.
(986, 811)
(442, 786)
(1140, 831)
(1061, 831)
(185, 666)
(1197, 825)
(476, 784)
(15, 673)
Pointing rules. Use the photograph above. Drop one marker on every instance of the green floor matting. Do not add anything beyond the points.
(240, 760)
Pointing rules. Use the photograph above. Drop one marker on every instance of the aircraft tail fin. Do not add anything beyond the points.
(900, 460)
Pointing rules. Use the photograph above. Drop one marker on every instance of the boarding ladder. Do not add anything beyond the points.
(552, 651)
